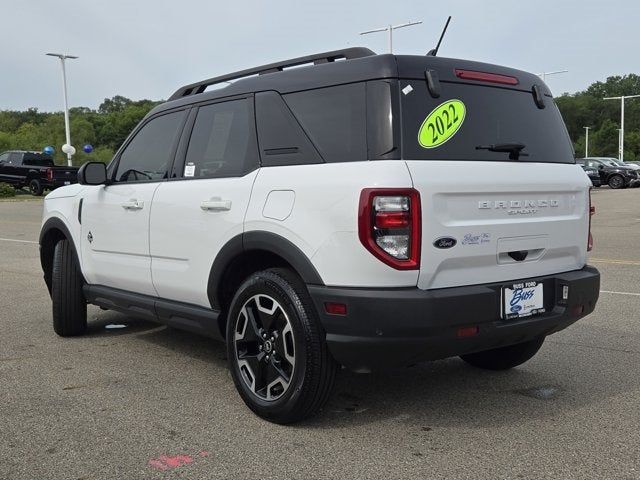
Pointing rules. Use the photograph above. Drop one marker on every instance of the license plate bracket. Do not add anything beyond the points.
(522, 299)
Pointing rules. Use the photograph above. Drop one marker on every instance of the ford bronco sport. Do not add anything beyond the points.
(369, 211)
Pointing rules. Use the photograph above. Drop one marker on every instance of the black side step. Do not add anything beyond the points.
(193, 318)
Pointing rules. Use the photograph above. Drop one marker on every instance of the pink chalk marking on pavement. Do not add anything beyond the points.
(166, 462)
(203, 454)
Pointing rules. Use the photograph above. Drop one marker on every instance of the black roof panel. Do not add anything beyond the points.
(357, 66)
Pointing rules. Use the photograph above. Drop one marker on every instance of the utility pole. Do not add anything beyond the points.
(543, 75)
(67, 147)
(621, 137)
(586, 142)
(390, 29)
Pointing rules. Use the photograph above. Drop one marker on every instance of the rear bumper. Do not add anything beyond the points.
(60, 182)
(386, 328)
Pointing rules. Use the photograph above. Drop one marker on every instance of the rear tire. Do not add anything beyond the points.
(504, 358)
(278, 357)
(35, 187)
(69, 304)
(616, 182)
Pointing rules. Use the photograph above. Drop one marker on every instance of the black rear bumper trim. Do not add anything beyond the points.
(389, 327)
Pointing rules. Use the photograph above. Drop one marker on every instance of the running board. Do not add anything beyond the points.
(184, 316)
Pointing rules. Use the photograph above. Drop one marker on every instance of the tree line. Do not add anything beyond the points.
(108, 126)
(105, 128)
(588, 109)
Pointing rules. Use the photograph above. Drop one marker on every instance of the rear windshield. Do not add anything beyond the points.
(479, 115)
(37, 160)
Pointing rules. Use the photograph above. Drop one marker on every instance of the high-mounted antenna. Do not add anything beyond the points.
(434, 52)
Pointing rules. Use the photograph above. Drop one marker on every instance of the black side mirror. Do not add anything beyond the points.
(92, 173)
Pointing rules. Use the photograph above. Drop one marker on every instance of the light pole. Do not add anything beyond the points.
(620, 141)
(621, 137)
(543, 75)
(390, 29)
(586, 142)
(67, 147)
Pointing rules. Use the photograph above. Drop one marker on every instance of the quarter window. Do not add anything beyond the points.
(148, 156)
(222, 142)
(335, 120)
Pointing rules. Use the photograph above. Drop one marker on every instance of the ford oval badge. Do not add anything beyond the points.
(445, 242)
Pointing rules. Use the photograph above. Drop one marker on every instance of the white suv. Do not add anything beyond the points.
(372, 212)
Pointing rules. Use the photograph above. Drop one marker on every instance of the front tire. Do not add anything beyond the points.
(616, 182)
(35, 187)
(69, 304)
(278, 357)
(504, 358)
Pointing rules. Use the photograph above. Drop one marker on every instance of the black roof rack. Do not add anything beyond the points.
(347, 54)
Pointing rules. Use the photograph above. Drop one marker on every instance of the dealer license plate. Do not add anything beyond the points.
(522, 300)
(67, 182)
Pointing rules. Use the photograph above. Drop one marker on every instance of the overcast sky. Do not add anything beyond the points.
(148, 48)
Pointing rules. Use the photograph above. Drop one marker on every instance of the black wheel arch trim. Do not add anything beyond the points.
(46, 249)
(255, 241)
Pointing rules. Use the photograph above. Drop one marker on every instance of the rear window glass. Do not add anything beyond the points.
(37, 160)
(491, 116)
(335, 120)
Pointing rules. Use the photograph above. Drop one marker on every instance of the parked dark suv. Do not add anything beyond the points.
(611, 174)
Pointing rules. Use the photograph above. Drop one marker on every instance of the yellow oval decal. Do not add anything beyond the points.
(441, 124)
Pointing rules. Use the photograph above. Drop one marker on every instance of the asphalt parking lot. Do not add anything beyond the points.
(146, 401)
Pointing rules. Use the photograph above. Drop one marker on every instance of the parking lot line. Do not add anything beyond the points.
(615, 262)
(16, 240)
(621, 293)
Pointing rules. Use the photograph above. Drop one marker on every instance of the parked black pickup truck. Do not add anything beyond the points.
(34, 170)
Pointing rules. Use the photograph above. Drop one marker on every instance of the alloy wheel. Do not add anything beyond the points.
(264, 347)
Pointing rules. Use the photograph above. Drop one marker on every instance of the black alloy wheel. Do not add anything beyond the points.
(265, 347)
(35, 187)
(278, 356)
(616, 181)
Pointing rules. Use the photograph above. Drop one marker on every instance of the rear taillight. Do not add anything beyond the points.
(592, 212)
(49, 174)
(486, 77)
(389, 225)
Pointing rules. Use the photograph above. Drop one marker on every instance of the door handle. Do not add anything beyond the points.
(216, 205)
(132, 205)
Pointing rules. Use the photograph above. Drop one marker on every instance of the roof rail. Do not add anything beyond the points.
(347, 54)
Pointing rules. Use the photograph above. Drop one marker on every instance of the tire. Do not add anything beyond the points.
(504, 358)
(616, 182)
(278, 357)
(35, 187)
(69, 304)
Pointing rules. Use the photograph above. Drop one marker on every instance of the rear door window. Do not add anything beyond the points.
(37, 160)
(492, 115)
(222, 141)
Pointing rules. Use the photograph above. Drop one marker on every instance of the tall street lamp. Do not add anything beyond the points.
(586, 142)
(621, 137)
(390, 29)
(543, 75)
(67, 147)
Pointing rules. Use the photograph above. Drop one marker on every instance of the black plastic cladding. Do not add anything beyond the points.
(359, 69)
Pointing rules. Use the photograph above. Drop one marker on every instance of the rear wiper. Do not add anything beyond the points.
(513, 149)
